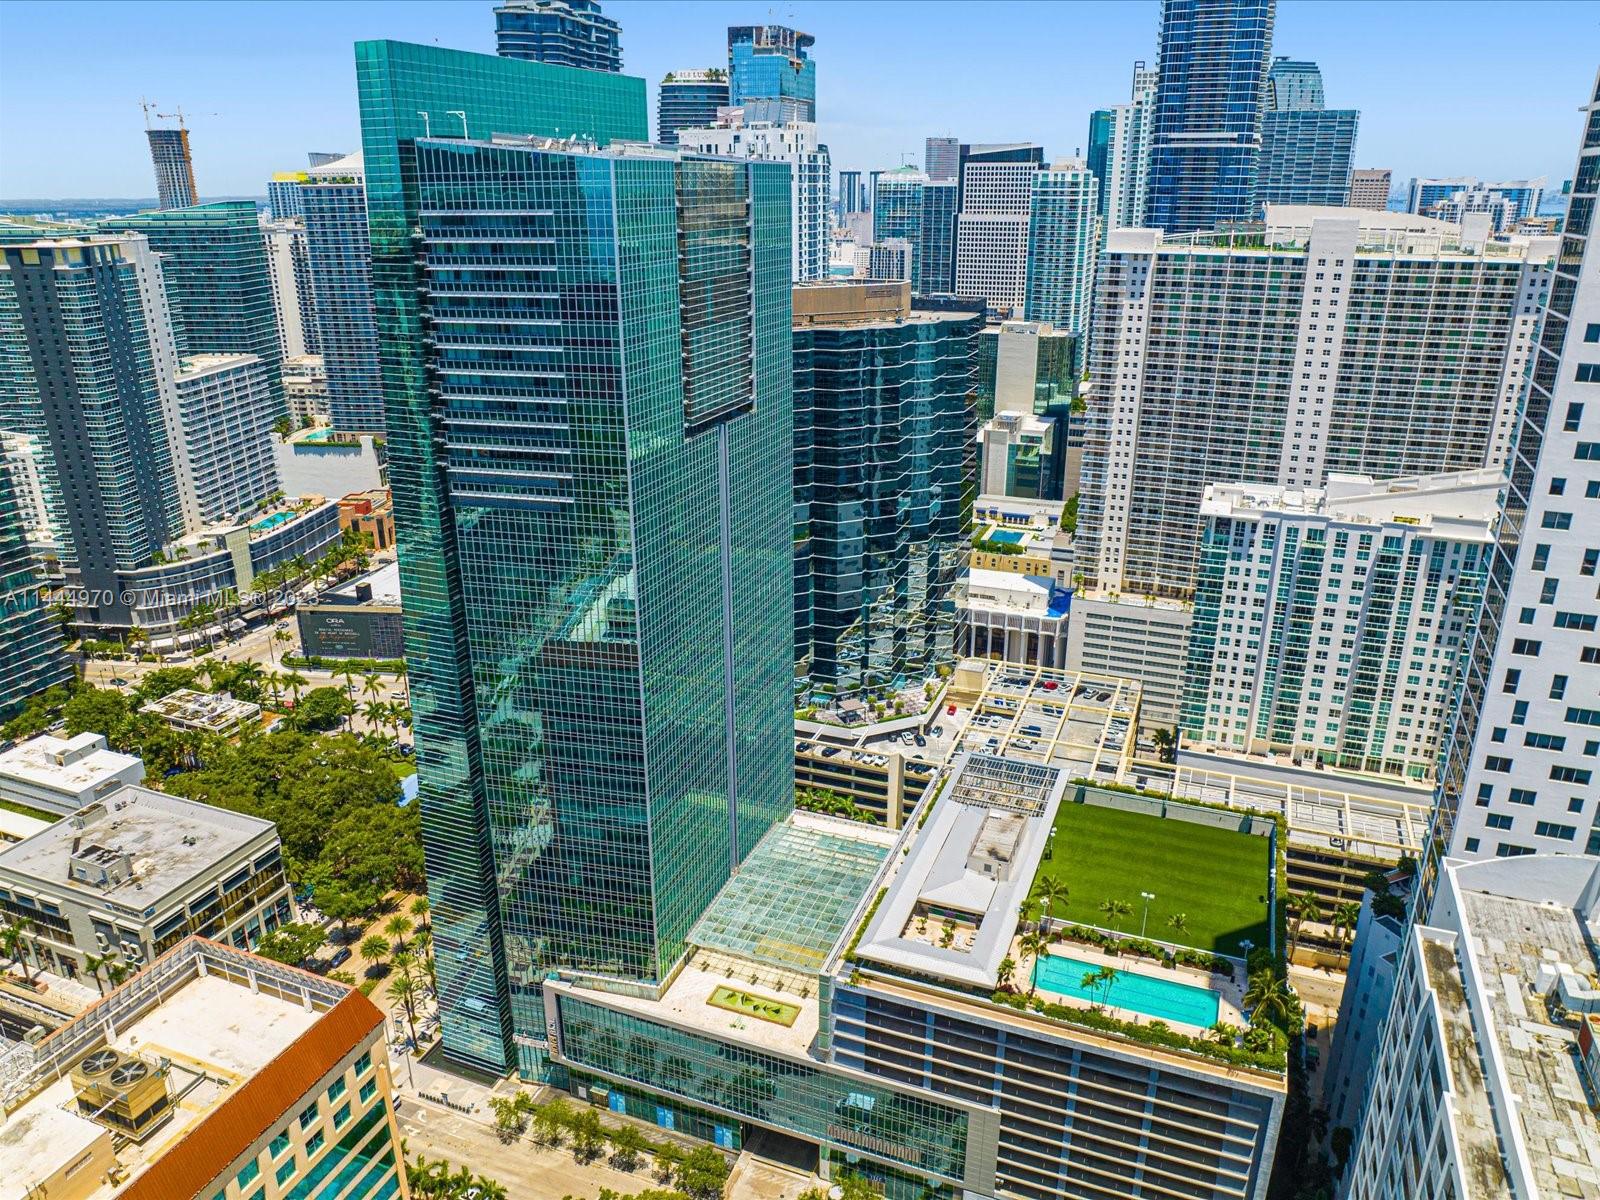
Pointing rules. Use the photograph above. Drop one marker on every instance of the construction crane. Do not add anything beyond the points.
(150, 110)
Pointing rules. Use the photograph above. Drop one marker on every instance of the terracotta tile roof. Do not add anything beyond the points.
(249, 1112)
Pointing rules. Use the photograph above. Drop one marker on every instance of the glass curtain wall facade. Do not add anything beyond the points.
(936, 245)
(590, 436)
(339, 253)
(563, 33)
(689, 100)
(169, 154)
(32, 649)
(1306, 157)
(883, 417)
(1214, 58)
(897, 212)
(1062, 237)
(214, 261)
(772, 63)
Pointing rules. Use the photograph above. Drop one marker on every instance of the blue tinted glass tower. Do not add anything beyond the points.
(564, 33)
(1214, 56)
(1306, 148)
(689, 100)
(593, 523)
(770, 63)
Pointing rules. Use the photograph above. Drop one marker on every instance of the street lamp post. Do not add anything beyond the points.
(1148, 896)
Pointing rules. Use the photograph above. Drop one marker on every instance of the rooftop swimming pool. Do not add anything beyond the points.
(1162, 998)
(1006, 537)
(271, 521)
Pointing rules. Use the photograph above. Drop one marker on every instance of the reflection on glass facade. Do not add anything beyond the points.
(340, 267)
(811, 1101)
(32, 656)
(1214, 57)
(589, 431)
(883, 418)
(936, 249)
(771, 63)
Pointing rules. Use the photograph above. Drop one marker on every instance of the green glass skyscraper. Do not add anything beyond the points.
(586, 360)
(32, 650)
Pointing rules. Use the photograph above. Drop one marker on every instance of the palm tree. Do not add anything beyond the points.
(420, 908)
(400, 670)
(372, 685)
(375, 950)
(1050, 892)
(1306, 907)
(1223, 1033)
(282, 636)
(1099, 980)
(294, 681)
(1345, 918)
(407, 990)
(349, 675)
(94, 964)
(1005, 972)
(1115, 910)
(273, 682)
(377, 714)
(1034, 945)
(397, 927)
(16, 940)
(1269, 998)
(1178, 922)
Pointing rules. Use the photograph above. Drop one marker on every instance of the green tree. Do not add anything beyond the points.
(15, 941)
(628, 1146)
(321, 709)
(408, 991)
(165, 680)
(1345, 918)
(588, 1136)
(703, 1173)
(99, 710)
(292, 943)
(1006, 971)
(550, 1122)
(1035, 944)
(420, 909)
(1115, 910)
(398, 927)
(1305, 907)
(1269, 999)
(1178, 923)
(1052, 896)
(665, 1161)
(375, 949)
(1099, 981)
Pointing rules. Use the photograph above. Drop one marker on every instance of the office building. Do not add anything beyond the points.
(93, 343)
(882, 396)
(689, 100)
(339, 256)
(1306, 148)
(1484, 1082)
(359, 619)
(941, 159)
(214, 264)
(1384, 385)
(1524, 194)
(564, 33)
(62, 774)
(936, 247)
(169, 153)
(1144, 639)
(211, 1073)
(628, 590)
(227, 417)
(770, 67)
(897, 214)
(32, 647)
(852, 196)
(1521, 770)
(1370, 592)
(810, 176)
(1119, 148)
(1206, 135)
(283, 194)
(992, 226)
(839, 954)
(890, 261)
(1029, 370)
(1063, 228)
(1369, 188)
(294, 302)
(134, 872)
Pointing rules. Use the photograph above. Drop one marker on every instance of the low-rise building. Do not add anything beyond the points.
(1481, 1086)
(126, 878)
(370, 512)
(1013, 618)
(212, 1073)
(358, 619)
(879, 779)
(61, 774)
(203, 712)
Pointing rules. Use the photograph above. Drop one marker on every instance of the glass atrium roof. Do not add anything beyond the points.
(790, 901)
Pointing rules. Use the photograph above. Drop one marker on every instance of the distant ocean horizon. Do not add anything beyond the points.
(96, 206)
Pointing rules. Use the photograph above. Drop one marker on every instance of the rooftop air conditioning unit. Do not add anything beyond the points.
(122, 1092)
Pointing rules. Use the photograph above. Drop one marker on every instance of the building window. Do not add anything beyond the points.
(1496, 763)
(1544, 741)
(1588, 373)
(1541, 556)
(1472, 845)
(1584, 716)
(1498, 821)
(285, 1172)
(1570, 775)
(1519, 712)
(1509, 850)
(1525, 646)
(1550, 829)
(1591, 332)
(1574, 415)
(1558, 686)
(279, 1144)
(1556, 520)
(368, 1090)
(246, 1177)
(364, 1063)
(1572, 620)
(1485, 794)
(314, 1143)
(341, 1115)
(1523, 796)
(1513, 677)
(308, 1118)
(336, 1089)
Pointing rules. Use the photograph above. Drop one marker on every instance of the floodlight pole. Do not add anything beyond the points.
(1148, 896)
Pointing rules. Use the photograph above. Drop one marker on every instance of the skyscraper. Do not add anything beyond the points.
(1306, 149)
(1523, 194)
(293, 301)
(226, 415)
(214, 263)
(1521, 769)
(941, 158)
(564, 33)
(1369, 188)
(810, 176)
(1213, 61)
(169, 152)
(91, 334)
(936, 247)
(593, 534)
(1125, 171)
(852, 195)
(1062, 236)
(992, 226)
(283, 194)
(897, 212)
(1237, 386)
(883, 402)
(770, 64)
(1099, 149)
(688, 100)
(339, 260)
(32, 649)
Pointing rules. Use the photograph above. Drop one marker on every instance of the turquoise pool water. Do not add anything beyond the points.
(1006, 537)
(1154, 997)
(272, 522)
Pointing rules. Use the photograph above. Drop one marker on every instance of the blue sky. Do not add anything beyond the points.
(1483, 88)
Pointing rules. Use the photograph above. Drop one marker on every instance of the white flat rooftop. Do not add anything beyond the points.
(65, 764)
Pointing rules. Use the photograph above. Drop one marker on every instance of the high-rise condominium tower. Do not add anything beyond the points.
(1062, 228)
(214, 262)
(293, 301)
(771, 64)
(1213, 61)
(1524, 759)
(339, 260)
(1119, 142)
(1217, 363)
(32, 649)
(565, 33)
(883, 404)
(1306, 149)
(169, 152)
(689, 100)
(594, 526)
